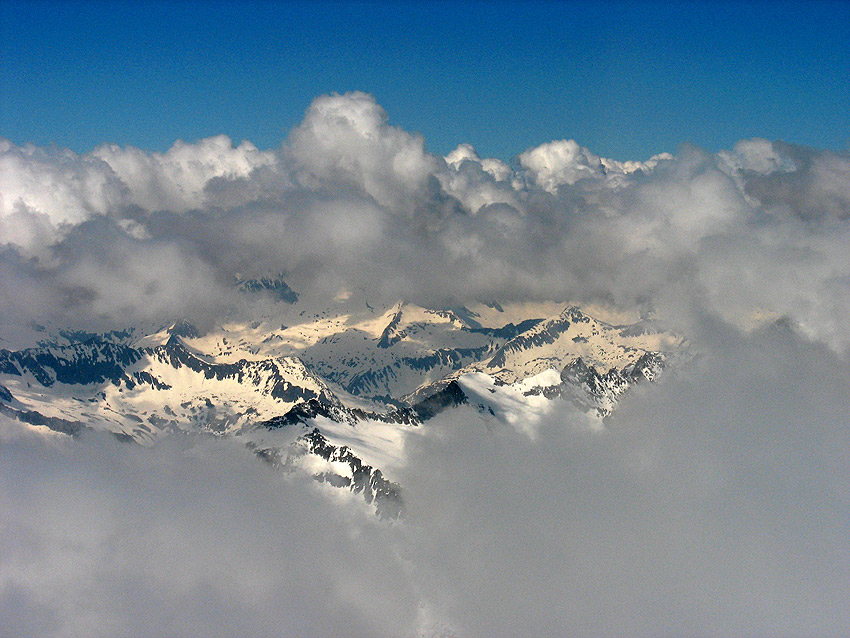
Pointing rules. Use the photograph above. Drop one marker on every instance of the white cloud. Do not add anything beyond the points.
(477, 183)
(102, 539)
(463, 153)
(176, 180)
(346, 139)
(353, 200)
(713, 504)
(43, 190)
(757, 155)
(558, 163)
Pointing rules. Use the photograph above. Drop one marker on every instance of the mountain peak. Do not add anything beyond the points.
(274, 286)
(184, 329)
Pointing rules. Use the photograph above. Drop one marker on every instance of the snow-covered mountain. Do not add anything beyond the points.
(331, 389)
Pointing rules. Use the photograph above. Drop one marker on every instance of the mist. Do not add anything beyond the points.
(714, 502)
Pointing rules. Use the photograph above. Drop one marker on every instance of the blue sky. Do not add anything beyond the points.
(625, 79)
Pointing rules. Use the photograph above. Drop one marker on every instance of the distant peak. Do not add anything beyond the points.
(184, 329)
(275, 286)
(391, 334)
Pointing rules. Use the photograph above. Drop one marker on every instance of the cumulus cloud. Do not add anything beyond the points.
(351, 202)
(60, 189)
(347, 140)
(559, 163)
(177, 179)
(44, 190)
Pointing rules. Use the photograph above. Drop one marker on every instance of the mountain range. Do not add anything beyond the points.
(331, 388)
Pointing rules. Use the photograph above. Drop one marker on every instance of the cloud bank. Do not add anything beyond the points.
(351, 202)
(715, 503)
(104, 539)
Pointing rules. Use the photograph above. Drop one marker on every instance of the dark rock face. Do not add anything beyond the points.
(549, 334)
(303, 412)
(90, 362)
(95, 363)
(508, 331)
(579, 373)
(82, 336)
(184, 329)
(36, 418)
(449, 397)
(364, 479)
(276, 287)
(389, 336)
(366, 383)
(378, 376)
(248, 372)
(600, 388)
(145, 378)
(98, 362)
(646, 368)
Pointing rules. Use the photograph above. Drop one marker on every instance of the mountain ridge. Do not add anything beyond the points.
(397, 368)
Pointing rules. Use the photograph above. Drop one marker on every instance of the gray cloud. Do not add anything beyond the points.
(104, 539)
(714, 503)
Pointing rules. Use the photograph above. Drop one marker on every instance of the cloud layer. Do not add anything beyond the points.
(352, 202)
(103, 539)
(715, 503)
